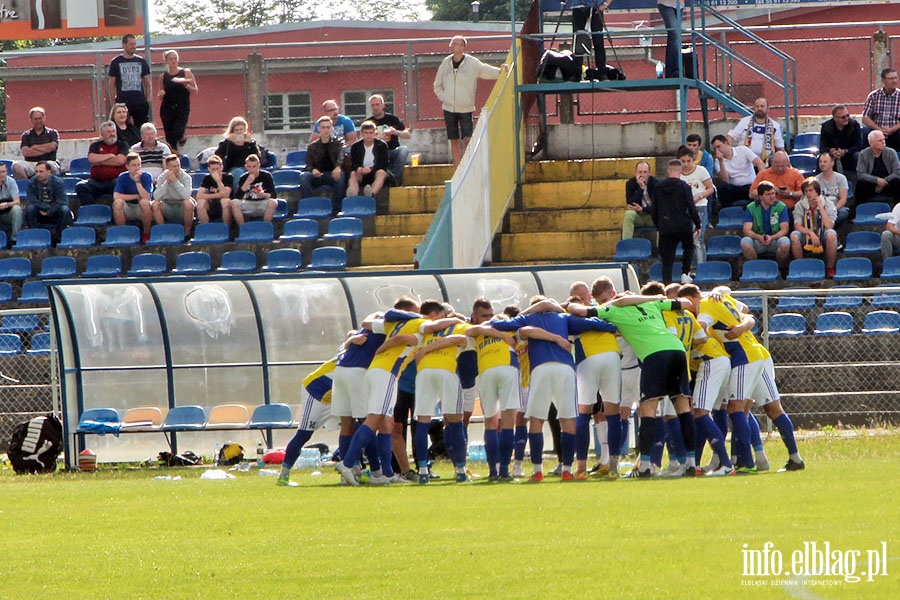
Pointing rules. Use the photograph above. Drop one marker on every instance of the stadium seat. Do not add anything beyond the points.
(166, 234)
(103, 265)
(656, 271)
(283, 260)
(890, 269)
(806, 269)
(834, 323)
(228, 416)
(58, 267)
(787, 325)
(731, 217)
(863, 242)
(807, 142)
(882, 321)
(313, 208)
(633, 249)
(328, 258)
(723, 247)
(713, 272)
(143, 418)
(300, 230)
(34, 292)
(148, 265)
(185, 418)
(360, 207)
(4, 242)
(805, 163)
(196, 182)
(192, 263)
(789, 302)
(12, 269)
(21, 188)
(210, 233)
(867, 213)
(286, 180)
(886, 300)
(20, 323)
(122, 236)
(854, 268)
(33, 239)
(185, 162)
(94, 215)
(282, 210)
(761, 270)
(256, 232)
(69, 184)
(344, 228)
(77, 237)
(842, 301)
(238, 262)
(80, 167)
(6, 292)
(296, 159)
(40, 343)
(97, 415)
(10, 344)
(272, 416)
(754, 303)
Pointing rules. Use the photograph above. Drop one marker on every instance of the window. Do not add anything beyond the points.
(356, 104)
(288, 111)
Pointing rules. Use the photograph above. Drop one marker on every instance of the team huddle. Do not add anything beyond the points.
(688, 361)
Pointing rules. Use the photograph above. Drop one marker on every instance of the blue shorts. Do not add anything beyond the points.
(664, 373)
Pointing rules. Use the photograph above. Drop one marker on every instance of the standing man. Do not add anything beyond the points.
(107, 158)
(129, 82)
(391, 131)
(585, 13)
(676, 218)
(10, 204)
(638, 198)
(758, 132)
(47, 203)
(841, 137)
(670, 11)
(454, 85)
(38, 143)
(881, 112)
(735, 171)
(344, 130)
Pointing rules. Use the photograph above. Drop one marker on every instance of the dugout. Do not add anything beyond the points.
(214, 340)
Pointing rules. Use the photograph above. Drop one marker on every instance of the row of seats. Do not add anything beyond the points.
(787, 301)
(22, 323)
(867, 214)
(294, 160)
(11, 344)
(834, 323)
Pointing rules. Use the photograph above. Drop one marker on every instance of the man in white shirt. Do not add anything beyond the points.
(735, 171)
(758, 132)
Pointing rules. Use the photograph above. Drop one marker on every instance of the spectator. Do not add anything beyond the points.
(176, 84)
(368, 163)
(107, 158)
(758, 132)
(152, 150)
(38, 143)
(172, 200)
(735, 171)
(344, 130)
(786, 179)
(676, 218)
(47, 203)
(701, 189)
(881, 112)
(841, 136)
(638, 199)
(890, 237)
(585, 13)
(323, 164)
(213, 197)
(237, 145)
(125, 129)
(834, 187)
(391, 130)
(255, 193)
(670, 11)
(877, 171)
(131, 199)
(454, 85)
(814, 226)
(129, 82)
(766, 227)
(701, 156)
(10, 204)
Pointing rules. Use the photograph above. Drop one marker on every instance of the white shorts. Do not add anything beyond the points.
(744, 379)
(435, 386)
(382, 392)
(552, 382)
(766, 391)
(349, 392)
(313, 413)
(498, 388)
(711, 387)
(599, 373)
(631, 388)
(468, 399)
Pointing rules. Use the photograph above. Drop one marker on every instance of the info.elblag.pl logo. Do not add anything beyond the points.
(814, 563)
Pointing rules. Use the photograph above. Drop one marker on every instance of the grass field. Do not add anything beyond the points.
(120, 534)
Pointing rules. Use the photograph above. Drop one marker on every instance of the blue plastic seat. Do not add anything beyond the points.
(12, 269)
(882, 321)
(761, 270)
(633, 249)
(834, 323)
(313, 208)
(754, 303)
(806, 269)
(148, 265)
(33, 239)
(185, 418)
(272, 416)
(731, 217)
(238, 262)
(344, 228)
(97, 415)
(122, 236)
(360, 207)
(853, 268)
(788, 302)
(94, 215)
(842, 301)
(656, 271)
(34, 292)
(40, 343)
(283, 260)
(300, 230)
(787, 325)
(211, 233)
(103, 265)
(77, 237)
(328, 258)
(69, 184)
(166, 234)
(21, 188)
(185, 162)
(890, 269)
(58, 267)
(286, 180)
(886, 300)
(282, 210)
(197, 181)
(10, 344)
(713, 272)
(805, 163)
(4, 242)
(256, 232)
(192, 263)
(807, 142)
(862, 242)
(80, 167)
(867, 212)
(6, 292)
(20, 323)
(723, 246)
(296, 159)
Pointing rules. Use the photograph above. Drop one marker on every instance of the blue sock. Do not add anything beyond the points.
(420, 441)
(702, 431)
(372, 455)
(740, 437)
(659, 441)
(361, 439)
(614, 433)
(521, 440)
(492, 450)
(344, 444)
(455, 433)
(293, 448)
(677, 450)
(383, 441)
(582, 436)
(688, 436)
(721, 418)
(716, 439)
(626, 429)
(536, 444)
(755, 439)
(567, 441)
(786, 429)
(507, 441)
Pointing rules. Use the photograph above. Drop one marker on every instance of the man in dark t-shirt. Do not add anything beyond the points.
(38, 143)
(390, 130)
(254, 195)
(213, 197)
(129, 82)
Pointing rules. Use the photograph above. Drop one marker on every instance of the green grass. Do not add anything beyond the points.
(119, 534)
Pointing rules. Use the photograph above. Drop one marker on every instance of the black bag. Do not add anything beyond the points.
(188, 458)
(35, 445)
(568, 65)
(612, 74)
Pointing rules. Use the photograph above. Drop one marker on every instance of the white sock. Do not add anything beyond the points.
(604, 443)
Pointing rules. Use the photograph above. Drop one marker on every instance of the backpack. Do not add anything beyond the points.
(188, 458)
(35, 445)
(230, 454)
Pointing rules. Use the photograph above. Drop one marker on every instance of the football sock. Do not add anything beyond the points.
(688, 436)
(507, 441)
(385, 453)
(716, 440)
(659, 441)
(740, 437)
(491, 450)
(702, 433)
(455, 433)
(567, 441)
(614, 432)
(361, 439)
(343, 444)
(372, 455)
(420, 441)
(582, 437)
(626, 429)
(646, 439)
(720, 416)
(536, 446)
(602, 427)
(596, 438)
(293, 448)
(675, 441)
(786, 429)
(521, 439)
(755, 439)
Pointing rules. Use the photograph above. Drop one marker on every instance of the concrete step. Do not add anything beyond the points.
(587, 170)
(403, 224)
(412, 199)
(585, 219)
(388, 250)
(574, 194)
(559, 246)
(432, 174)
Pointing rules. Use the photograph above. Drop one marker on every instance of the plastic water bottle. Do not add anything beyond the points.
(659, 70)
(260, 450)
(477, 452)
(215, 457)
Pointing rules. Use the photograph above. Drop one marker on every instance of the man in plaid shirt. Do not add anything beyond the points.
(882, 109)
